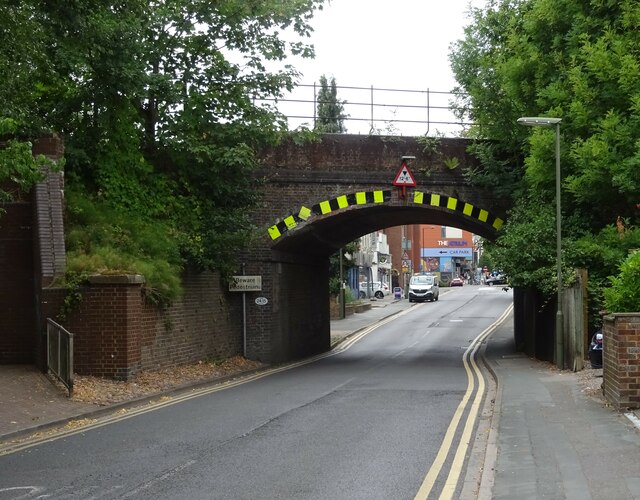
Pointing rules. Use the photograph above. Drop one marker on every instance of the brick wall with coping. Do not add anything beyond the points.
(621, 360)
(117, 333)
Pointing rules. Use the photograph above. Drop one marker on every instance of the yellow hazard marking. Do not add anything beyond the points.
(468, 209)
(484, 215)
(305, 213)
(342, 201)
(498, 223)
(325, 207)
(378, 196)
(361, 198)
(435, 200)
(418, 197)
(290, 222)
(452, 203)
(274, 232)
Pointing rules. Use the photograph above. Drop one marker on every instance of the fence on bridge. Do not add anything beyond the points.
(379, 111)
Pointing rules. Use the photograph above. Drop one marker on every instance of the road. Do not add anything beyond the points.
(386, 416)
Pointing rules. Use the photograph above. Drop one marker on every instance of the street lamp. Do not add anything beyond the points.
(551, 122)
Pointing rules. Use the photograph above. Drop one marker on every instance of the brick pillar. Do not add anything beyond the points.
(107, 327)
(621, 360)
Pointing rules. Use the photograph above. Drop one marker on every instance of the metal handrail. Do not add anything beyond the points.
(407, 109)
(60, 353)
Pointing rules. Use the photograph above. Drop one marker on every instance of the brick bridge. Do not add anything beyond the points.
(317, 197)
(320, 196)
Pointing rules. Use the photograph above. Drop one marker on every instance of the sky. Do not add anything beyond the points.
(387, 44)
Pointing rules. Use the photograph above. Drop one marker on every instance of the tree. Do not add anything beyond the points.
(574, 60)
(330, 110)
(162, 106)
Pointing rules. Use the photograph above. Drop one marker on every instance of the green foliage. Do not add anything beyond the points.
(526, 247)
(330, 109)
(624, 293)
(452, 163)
(162, 106)
(573, 60)
(73, 283)
(17, 163)
(303, 135)
(430, 145)
(102, 239)
(577, 62)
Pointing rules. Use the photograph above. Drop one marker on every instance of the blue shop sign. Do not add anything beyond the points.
(446, 252)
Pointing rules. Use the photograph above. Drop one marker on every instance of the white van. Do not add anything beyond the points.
(423, 287)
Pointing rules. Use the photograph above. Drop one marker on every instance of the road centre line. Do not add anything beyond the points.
(458, 460)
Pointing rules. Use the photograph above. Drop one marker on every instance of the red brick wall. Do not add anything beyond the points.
(117, 333)
(621, 360)
(205, 323)
(17, 288)
(29, 231)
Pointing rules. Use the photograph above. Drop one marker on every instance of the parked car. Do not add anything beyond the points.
(377, 289)
(497, 279)
(423, 287)
(457, 281)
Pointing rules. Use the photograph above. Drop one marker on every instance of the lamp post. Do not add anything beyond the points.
(554, 122)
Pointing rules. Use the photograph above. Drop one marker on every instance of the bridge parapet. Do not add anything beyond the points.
(302, 178)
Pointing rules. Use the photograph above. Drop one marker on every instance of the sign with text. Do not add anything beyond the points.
(245, 284)
(446, 252)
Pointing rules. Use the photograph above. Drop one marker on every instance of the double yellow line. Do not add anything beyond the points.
(468, 359)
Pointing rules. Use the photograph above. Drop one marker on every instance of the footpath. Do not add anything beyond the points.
(548, 437)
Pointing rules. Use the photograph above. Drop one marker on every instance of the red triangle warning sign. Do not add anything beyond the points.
(404, 177)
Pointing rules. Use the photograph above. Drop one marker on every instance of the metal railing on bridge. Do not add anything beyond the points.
(379, 111)
(60, 353)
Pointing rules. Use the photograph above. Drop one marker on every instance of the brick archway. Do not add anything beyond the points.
(320, 196)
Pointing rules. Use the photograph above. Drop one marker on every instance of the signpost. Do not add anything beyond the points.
(246, 284)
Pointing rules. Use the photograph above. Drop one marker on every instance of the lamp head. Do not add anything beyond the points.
(539, 121)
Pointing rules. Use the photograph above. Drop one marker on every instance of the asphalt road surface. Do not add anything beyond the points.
(382, 417)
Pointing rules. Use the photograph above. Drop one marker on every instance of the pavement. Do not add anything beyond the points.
(548, 436)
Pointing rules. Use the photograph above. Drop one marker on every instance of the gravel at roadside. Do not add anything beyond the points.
(104, 392)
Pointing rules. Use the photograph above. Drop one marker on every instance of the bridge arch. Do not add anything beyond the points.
(320, 196)
(330, 224)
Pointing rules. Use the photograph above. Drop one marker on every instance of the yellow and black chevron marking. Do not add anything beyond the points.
(439, 200)
(325, 207)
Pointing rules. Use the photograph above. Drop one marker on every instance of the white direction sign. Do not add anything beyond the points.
(245, 284)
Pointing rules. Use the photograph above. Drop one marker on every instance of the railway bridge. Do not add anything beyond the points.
(319, 196)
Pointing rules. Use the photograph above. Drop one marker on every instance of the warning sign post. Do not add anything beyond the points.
(404, 178)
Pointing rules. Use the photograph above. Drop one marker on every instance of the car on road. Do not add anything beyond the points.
(423, 287)
(376, 289)
(457, 281)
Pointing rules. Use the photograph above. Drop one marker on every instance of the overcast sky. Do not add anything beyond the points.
(393, 44)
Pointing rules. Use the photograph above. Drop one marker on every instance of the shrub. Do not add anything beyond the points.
(624, 293)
